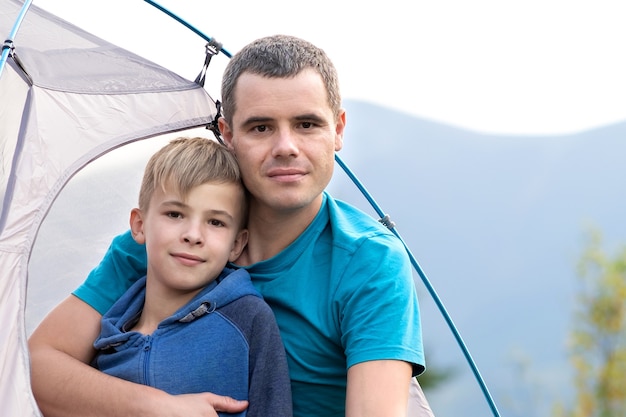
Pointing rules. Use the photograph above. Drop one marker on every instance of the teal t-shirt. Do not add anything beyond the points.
(334, 291)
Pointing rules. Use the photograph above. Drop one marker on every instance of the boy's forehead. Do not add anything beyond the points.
(181, 189)
(174, 191)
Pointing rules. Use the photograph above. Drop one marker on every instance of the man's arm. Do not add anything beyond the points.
(378, 389)
(65, 385)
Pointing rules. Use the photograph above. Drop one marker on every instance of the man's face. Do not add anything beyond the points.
(285, 135)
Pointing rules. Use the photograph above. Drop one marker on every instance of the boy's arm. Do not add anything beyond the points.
(65, 385)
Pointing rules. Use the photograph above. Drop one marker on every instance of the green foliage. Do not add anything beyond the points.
(435, 376)
(432, 379)
(598, 337)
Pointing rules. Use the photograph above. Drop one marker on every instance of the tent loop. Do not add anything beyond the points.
(387, 222)
(19, 63)
(214, 126)
(212, 48)
(8, 44)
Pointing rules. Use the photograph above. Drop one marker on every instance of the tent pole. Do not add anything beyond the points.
(386, 221)
(186, 24)
(8, 43)
(8, 46)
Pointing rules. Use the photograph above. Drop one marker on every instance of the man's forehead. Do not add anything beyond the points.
(261, 93)
(250, 78)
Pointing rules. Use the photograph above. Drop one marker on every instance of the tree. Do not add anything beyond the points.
(598, 337)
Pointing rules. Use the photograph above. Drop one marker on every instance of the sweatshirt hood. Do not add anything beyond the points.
(231, 285)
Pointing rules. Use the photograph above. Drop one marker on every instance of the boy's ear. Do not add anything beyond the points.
(240, 242)
(136, 226)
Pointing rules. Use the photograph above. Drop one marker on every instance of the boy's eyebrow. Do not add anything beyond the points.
(176, 203)
(221, 212)
(181, 204)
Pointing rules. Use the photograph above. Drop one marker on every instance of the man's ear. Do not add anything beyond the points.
(226, 132)
(240, 242)
(136, 226)
(339, 130)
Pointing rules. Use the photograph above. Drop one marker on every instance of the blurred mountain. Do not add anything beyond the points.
(496, 222)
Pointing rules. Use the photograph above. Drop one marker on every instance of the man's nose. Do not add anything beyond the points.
(285, 143)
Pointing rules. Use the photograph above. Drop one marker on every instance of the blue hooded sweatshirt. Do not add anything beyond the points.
(224, 341)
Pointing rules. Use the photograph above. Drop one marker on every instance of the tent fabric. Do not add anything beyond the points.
(66, 98)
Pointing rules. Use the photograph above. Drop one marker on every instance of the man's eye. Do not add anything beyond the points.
(307, 125)
(261, 128)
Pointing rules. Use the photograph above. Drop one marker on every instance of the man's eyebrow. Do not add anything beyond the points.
(253, 120)
(310, 116)
(256, 120)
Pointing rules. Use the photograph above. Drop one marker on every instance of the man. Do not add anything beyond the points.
(334, 277)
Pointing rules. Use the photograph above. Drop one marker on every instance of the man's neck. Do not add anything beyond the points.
(271, 232)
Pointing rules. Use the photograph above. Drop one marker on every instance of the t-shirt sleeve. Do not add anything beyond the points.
(381, 317)
(124, 263)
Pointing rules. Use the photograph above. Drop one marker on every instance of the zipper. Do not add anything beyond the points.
(147, 347)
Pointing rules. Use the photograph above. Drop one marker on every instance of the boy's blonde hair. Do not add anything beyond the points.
(185, 163)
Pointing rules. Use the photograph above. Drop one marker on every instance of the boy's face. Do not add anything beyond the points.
(285, 135)
(189, 240)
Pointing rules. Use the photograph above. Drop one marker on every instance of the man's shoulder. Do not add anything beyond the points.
(353, 222)
(359, 236)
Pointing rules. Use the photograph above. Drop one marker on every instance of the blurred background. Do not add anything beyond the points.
(491, 132)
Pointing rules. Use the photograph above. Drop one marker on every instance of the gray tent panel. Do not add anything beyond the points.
(66, 98)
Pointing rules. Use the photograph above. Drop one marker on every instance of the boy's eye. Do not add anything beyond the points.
(173, 214)
(216, 223)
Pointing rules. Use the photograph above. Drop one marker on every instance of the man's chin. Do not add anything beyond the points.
(291, 201)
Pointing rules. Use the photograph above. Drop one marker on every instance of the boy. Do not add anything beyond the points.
(191, 325)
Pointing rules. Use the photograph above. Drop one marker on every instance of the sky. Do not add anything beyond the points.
(493, 66)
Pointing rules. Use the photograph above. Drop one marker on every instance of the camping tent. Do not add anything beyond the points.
(66, 98)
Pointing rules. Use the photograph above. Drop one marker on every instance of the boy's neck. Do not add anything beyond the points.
(158, 307)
